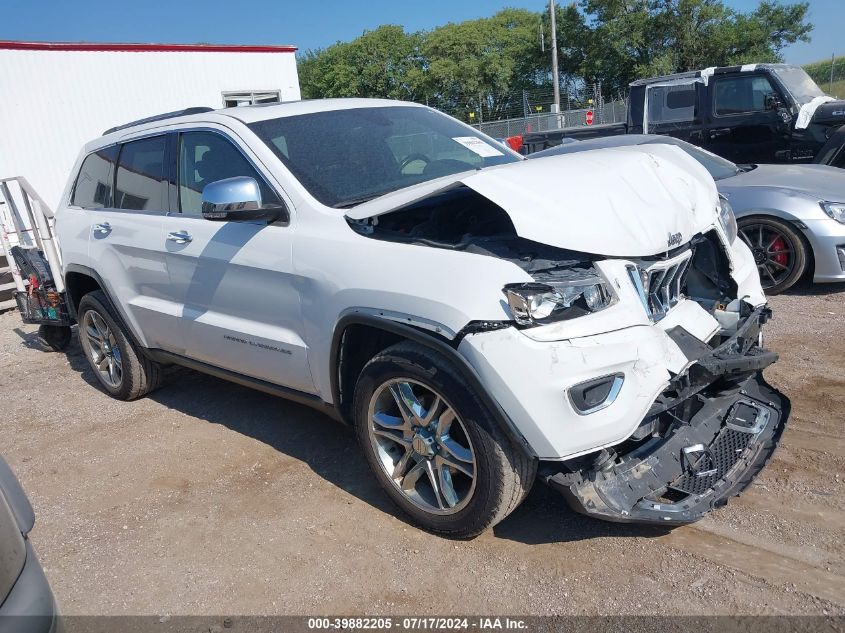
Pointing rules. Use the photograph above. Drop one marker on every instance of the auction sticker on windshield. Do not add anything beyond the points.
(477, 145)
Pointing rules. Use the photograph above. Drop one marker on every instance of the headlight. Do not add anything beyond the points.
(727, 219)
(836, 210)
(537, 303)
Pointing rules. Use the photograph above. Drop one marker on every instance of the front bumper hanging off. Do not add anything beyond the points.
(725, 422)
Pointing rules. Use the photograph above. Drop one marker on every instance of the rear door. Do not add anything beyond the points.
(125, 245)
(238, 298)
(673, 108)
(743, 126)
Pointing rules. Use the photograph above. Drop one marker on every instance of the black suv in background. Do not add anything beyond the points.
(26, 601)
(756, 113)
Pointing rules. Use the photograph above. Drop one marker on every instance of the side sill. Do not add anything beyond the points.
(300, 397)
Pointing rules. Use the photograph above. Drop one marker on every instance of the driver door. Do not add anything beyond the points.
(742, 128)
(239, 305)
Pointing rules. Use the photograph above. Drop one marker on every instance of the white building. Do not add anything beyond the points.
(54, 97)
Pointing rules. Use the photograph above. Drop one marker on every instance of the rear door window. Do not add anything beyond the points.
(141, 175)
(93, 188)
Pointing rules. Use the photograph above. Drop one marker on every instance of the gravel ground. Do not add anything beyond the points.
(209, 498)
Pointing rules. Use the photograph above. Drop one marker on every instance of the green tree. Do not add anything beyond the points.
(383, 63)
(479, 65)
(631, 39)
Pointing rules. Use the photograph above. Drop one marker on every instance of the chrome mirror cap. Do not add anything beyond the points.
(237, 199)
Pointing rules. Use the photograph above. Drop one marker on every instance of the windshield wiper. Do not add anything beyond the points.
(346, 204)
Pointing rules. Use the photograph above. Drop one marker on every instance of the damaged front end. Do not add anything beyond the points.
(638, 384)
(703, 441)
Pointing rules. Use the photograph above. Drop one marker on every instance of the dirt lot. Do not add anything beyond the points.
(210, 498)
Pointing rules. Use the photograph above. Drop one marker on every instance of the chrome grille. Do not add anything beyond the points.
(660, 284)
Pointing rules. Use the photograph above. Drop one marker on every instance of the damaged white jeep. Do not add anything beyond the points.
(481, 320)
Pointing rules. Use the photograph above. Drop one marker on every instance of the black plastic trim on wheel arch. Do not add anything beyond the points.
(466, 370)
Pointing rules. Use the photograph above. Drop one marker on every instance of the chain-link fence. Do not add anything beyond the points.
(524, 111)
(613, 112)
(829, 75)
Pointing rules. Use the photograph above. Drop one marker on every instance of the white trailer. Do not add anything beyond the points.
(54, 97)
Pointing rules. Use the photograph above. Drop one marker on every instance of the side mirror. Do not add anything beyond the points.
(772, 102)
(238, 199)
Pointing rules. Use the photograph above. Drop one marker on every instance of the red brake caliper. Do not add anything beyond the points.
(780, 257)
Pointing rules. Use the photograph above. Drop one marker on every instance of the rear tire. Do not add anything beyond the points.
(759, 233)
(480, 475)
(118, 364)
(54, 338)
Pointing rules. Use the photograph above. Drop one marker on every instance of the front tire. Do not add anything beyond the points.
(118, 364)
(780, 252)
(433, 446)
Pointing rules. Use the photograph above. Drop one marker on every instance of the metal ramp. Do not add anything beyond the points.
(25, 221)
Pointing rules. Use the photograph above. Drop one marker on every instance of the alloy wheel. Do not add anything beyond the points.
(422, 446)
(102, 348)
(774, 252)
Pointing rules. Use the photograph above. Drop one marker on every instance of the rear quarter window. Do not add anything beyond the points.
(672, 104)
(93, 187)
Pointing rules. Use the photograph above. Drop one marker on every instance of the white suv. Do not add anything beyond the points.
(480, 319)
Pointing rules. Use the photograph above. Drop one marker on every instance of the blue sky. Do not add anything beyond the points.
(304, 24)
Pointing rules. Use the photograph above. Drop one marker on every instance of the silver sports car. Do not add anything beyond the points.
(791, 216)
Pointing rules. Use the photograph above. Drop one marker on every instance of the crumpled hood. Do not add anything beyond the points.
(819, 182)
(629, 201)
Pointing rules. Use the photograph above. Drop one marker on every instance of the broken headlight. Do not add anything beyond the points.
(727, 219)
(538, 303)
(835, 210)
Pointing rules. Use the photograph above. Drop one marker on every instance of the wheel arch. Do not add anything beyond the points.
(795, 223)
(358, 337)
(833, 151)
(79, 281)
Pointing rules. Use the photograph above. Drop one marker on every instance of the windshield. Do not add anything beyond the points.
(799, 83)
(346, 157)
(718, 167)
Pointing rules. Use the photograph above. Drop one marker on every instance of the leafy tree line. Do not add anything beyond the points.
(483, 65)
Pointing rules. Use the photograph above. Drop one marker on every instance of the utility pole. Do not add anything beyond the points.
(555, 74)
(832, 60)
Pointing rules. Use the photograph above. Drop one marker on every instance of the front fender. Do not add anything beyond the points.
(441, 347)
(833, 152)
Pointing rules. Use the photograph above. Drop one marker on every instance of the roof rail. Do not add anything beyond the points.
(159, 117)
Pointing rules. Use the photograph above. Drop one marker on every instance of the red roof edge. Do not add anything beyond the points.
(141, 48)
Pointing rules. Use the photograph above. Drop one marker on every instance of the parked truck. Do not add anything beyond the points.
(756, 113)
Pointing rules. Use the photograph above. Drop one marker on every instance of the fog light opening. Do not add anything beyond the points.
(596, 394)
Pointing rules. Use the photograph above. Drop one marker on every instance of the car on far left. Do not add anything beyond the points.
(27, 604)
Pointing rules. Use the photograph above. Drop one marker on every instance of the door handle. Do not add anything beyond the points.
(722, 131)
(180, 237)
(103, 227)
